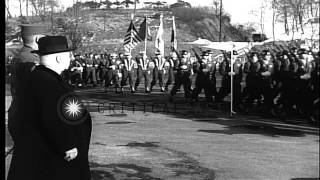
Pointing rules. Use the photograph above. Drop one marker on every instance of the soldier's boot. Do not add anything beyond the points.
(170, 98)
(148, 90)
(162, 89)
(133, 90)
(121, 90)
(166, 88)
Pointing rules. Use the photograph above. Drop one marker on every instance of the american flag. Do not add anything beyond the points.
(131, 38)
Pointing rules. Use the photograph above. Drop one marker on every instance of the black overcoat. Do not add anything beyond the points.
(42, 133)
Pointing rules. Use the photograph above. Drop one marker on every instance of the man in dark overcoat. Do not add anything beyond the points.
(53, 128)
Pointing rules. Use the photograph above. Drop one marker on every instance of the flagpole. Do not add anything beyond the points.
(232, 61)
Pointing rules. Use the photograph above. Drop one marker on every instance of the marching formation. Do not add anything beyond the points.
(284, 82)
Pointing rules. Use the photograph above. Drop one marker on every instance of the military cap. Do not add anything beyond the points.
(142, 52)
(205, 53)
(285, 52)
(33, 29)
(127, 54)
(53, 44)
(184, 52)
(253, 53)
(113, 55)
(302, 51)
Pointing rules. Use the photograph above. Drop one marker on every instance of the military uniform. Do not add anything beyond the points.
(225, 70)
(266, 82)
(96, 61)
(158, 72)
(303, 83)
(113, 73)
(183, 77)
(203, 70)
(144, 70)
(250, 92)
(90, 71)
(103, 66)
(172, 71)
(76, 70)
(127, 72)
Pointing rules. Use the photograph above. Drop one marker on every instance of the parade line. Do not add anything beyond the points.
(122, 107)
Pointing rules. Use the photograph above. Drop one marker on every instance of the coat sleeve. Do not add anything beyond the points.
(47, 92)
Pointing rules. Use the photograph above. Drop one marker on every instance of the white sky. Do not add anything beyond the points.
(240, 10)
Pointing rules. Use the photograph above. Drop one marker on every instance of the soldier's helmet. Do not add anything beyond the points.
(184, 53)
(127, 55)
(302, 51)
(113, 55)
(173, 54)
(209, 52)
(205, 53)
(157, 52)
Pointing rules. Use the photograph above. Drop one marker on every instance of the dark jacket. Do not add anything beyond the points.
(42, 134)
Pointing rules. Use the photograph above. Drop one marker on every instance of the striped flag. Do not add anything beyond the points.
(173, 36)
(159, 39)
(131, 38)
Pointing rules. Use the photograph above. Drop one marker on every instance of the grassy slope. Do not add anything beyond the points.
(117, 22)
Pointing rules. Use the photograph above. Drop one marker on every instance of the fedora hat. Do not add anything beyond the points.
(53, 44)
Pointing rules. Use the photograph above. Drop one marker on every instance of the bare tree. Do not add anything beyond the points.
(20, 3)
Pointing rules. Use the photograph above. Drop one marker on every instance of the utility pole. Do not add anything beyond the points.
(220, 20)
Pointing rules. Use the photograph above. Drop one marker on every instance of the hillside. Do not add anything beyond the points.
(189, 27)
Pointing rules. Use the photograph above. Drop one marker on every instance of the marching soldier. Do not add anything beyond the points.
(76, 71)
(203, 70)
(172, 72)
(158, 71)
(225, 71)
(127, 72)
(91, 72)
(251, 68)
(96, 60)
(103, 66)
(144, 70)
(21, 68)
(113, 74)
(304, 94)
(183, 76)
(212, 74)
(266, 81)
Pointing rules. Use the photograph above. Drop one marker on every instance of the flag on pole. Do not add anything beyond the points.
(173, 36)
(131, 38)
(144, 31)
(159, 39)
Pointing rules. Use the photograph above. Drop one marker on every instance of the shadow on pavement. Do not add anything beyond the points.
(125, 170)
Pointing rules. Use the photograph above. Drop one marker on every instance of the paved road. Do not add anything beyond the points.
(144, 137)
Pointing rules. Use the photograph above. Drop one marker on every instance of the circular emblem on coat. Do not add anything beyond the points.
(71, 110)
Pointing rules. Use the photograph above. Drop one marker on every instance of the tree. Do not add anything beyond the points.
(180, 4)
(216, 4)
(20, 3)
(117, 3)
(295, 11)
(127, 3)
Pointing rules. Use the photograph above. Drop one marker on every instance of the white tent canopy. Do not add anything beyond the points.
(200, 41)
(228, 46)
